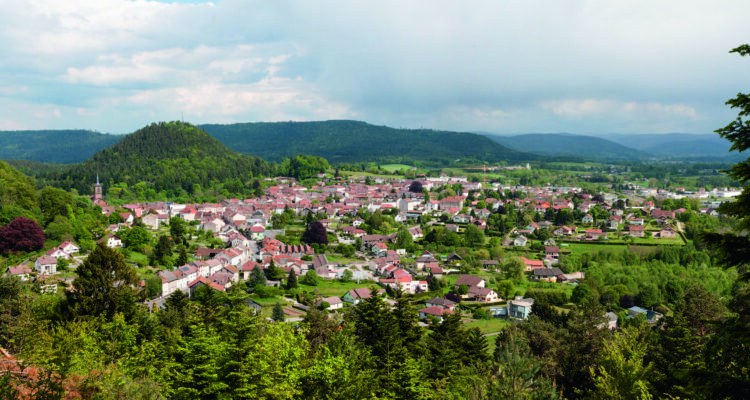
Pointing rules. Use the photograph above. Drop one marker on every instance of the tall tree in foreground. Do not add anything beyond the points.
(105, 284)
(727, 353)
(733, 249)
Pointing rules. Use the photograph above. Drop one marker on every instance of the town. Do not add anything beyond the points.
(387, 236)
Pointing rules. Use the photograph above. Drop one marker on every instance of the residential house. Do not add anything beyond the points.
(22, 271)
(546, 274)
(470, 281)
(334, 303)
(667, 232)
(636, 221)
(520, 241)
(588, 219)
(436, 312)
(532, 264)
(435, 271)
(636, 230)
(484, 295)
(441, 302)
(651, 315)
(202, 281)
(520, 307)
(46, 265)
(611, 323)
(552, 252)
(354, 296)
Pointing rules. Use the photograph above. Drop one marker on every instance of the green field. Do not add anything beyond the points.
(580, 248)
(330, 287)
(394, 167)
(488, 325)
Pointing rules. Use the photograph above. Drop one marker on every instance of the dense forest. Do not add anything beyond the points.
(54, 146)
(174, 156)
(584, 147)
(354, 141)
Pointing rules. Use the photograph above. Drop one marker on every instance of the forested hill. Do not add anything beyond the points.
(53, 146)
(561, 144)
(164, 156)
(355, 141)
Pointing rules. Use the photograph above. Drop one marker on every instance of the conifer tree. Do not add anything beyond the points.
(278, 313)
(291, 280)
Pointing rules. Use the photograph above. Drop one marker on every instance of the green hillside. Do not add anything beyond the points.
(164, 157)
(354, 141)
(561, 144)
(17, 193)
(53, 146)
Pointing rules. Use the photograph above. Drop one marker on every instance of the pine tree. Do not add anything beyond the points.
(182, 258)
(105, 284)
(257, 277)
(278, 313)
(291, 280)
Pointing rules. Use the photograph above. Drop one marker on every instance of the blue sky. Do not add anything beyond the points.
(620, 66)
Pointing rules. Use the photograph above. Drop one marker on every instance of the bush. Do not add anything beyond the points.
(554, 297)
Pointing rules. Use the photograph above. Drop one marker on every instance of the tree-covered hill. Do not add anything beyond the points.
(53, 146)
(355, 141)
(17, 192)
(164, 156)
(560, 144)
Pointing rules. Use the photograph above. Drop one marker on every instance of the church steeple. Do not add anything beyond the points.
(97, 189)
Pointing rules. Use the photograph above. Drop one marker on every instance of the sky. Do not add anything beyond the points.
(506, 67)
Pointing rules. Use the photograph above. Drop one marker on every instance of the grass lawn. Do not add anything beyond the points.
(137, 258)
(580, 248)
(269, 301)
(330, 287)
(677, 240)
(488, 325)
(342, 259)
(394, 167)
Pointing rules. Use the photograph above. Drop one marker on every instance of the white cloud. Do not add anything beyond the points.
(602, 107)
(490, 65)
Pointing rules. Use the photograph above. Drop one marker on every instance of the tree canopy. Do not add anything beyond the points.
(105, 284)
(22, 234)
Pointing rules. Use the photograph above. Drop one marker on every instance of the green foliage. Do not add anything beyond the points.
(357, 142)
(519, 374)
(621, 372)
(291, 280)
(54, 146)
(514, 270)
(278, 313)
(105, 285)
(302, 166)
(136, 238)
(175, 157)
(16, 190)
(55, 202)
(310, 278)
(473, 236)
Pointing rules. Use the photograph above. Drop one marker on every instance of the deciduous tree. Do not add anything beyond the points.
(22, 234)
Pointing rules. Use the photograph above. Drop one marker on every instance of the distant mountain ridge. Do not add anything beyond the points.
(565, 144)
(676, 144)
(54, 146)
(356, 141)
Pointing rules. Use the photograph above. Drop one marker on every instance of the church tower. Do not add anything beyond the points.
(97, 189)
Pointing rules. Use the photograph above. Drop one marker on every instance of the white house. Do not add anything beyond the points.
(46, 265)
